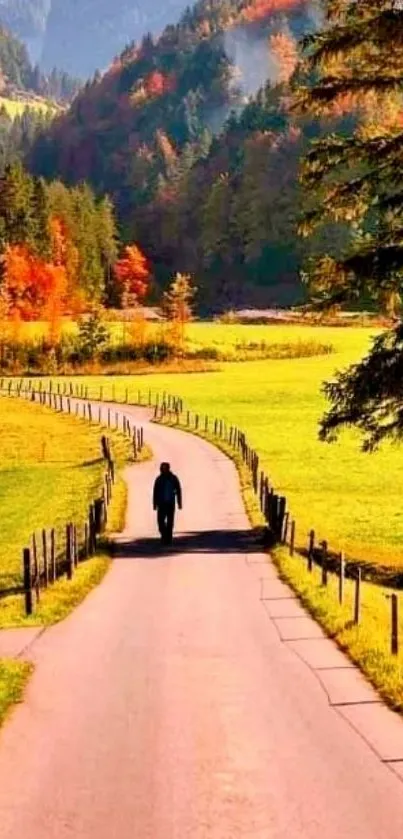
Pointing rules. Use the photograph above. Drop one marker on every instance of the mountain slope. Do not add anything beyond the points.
(221, 207)
(27, 19)
(19, 77)
(81, 36)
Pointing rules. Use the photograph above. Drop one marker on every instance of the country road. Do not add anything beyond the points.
(190, 697)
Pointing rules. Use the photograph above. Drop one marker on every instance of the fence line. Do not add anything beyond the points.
(49, 558)
(281, 527)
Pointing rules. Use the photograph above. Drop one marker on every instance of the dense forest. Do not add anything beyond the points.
(179, 135)
(55, 242)
(198, 140)
(41, 95)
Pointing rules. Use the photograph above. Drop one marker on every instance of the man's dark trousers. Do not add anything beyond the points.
(166, 516)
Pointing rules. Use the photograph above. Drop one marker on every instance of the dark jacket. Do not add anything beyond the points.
(167, 490)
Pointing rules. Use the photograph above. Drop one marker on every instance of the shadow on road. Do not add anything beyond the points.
(208, 542)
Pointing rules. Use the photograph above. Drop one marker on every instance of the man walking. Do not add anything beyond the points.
(167, 491)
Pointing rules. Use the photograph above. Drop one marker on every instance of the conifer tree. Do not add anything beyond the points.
(356, 63)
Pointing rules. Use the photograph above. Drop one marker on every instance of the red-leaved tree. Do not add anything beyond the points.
(132, 273)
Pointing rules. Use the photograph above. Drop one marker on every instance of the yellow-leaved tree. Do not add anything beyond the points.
(177, 306)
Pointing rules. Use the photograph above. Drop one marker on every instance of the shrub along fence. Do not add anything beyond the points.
(281, 527)
(54, 553)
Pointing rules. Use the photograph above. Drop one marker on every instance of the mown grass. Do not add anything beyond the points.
(60, 599)
(350, 498)
(13, 678)
(50, 470)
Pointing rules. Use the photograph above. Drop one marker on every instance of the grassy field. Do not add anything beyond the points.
(350, 498)
(50, 470)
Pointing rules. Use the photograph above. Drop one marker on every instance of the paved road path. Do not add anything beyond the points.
(168, 707)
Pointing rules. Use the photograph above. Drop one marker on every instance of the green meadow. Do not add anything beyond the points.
(350, 498)
(51, 469)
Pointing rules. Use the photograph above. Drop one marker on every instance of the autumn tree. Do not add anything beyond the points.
(132, 272)
(177, 305)
(34, 289)
(358, 178)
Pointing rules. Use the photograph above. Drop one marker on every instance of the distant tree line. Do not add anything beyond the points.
(17, 71)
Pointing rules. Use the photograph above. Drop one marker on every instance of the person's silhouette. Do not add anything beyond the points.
(167, 491)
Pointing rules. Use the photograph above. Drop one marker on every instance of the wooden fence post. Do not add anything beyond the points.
(324, 563)
(69, 552)
(341, 578)
(394, 645)
(36, 567)
(93, 539)
(99, 514)
(75, 545)
(311, 548)
(86, 541)
(45, 559)
(292, 538)
(27, 581)
(285, 528)
(53, 570)
(357, 597)
(280, 514)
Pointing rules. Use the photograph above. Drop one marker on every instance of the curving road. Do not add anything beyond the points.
(190, 697)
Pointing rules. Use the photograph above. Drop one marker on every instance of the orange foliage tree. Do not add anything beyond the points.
(35, 289)
(65, 254)
(260, 9)
(284, 50)
(132, 272)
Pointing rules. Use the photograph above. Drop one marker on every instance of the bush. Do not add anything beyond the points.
(93, 335)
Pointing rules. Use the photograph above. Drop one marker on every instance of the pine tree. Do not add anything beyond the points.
(40, 208)
(356, 63)
(108, 246)
(17, 222)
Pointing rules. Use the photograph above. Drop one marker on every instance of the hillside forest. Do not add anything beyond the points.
(197, 138)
